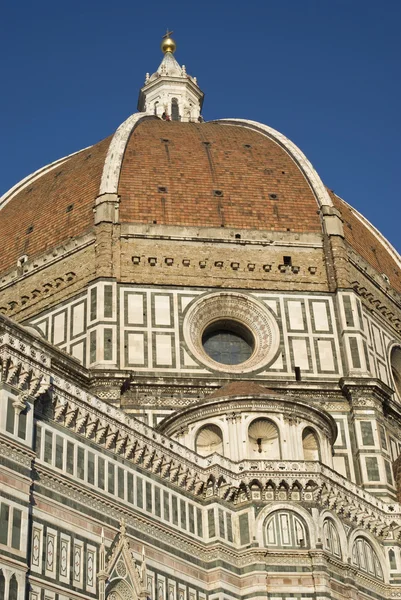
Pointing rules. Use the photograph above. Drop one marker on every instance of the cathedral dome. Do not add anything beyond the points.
(222, 174)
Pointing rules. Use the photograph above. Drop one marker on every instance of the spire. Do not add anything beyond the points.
(170, 93)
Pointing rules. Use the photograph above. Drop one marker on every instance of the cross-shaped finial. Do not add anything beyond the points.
(167, 34)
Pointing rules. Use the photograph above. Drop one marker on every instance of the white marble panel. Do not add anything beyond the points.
(326, 357)
(295, 315)
(136, 348)
(164, 355)
(300, 351)
(320, 316)
(78, 319)
(339, 465)
(59, 328)
(162, 310)
(78, 351)
(135, 309)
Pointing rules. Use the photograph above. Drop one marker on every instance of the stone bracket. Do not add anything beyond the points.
(107, 208)
(332, 220)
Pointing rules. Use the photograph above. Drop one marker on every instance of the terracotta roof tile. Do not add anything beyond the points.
(213, 175)
(53, 208)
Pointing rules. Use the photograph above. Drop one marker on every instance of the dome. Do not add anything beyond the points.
(222, 174)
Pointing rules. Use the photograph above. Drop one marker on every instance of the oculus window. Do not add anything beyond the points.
(228, 342)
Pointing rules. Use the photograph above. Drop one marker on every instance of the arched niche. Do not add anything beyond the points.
(310, 444)
(208, 440)
(263, 439)
(286, 529)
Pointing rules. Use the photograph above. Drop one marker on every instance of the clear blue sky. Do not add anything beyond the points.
(326, 73)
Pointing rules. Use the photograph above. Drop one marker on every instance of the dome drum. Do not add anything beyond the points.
(255, 428)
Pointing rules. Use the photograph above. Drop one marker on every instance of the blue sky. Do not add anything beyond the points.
(326, 73)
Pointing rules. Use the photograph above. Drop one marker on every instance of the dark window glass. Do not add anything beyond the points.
(175, 510)
(10, 416)
(91, 468)
(175, 115)
(110, 479)
(191, 518)
(59, 451)
(130, 488)
(199, 521)
(13, 590)
(183, 514)
(38, 441)
(22, 423)
(108, 344)
(4, 518)
(108, 301)
(148, 496)
(48, 446)
(222, 531)
(16, 531)
(229, 528)
(389, 475)
(157, 502)
(139, 492)
(211, 523)
(120, 481)
(81, 463)
(228, 343)
(367, 433)
(383, 439)
(372, 468)
(166, 506)
(100, 472)
(93, 303)
(2, 585)
(70, 458)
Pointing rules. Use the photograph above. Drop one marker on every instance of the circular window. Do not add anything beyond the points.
(395, 360)
(228, 342)
(231, 332)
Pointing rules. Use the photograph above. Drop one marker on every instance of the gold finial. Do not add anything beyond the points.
(168, 44)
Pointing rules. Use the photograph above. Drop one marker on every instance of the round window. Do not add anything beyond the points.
(396, 368)
(228, 342)
(231, 332)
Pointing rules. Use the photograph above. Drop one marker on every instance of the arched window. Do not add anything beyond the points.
(13, 589)
(263, 440)
(310, 445)
(365, 558)
(331, 540)
(209, 440)
(155, 107)
(175, 115)
(284, 529)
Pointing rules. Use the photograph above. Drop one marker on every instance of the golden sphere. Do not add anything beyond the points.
(168, 45)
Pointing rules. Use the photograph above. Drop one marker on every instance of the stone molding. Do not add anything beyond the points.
(115, 153)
